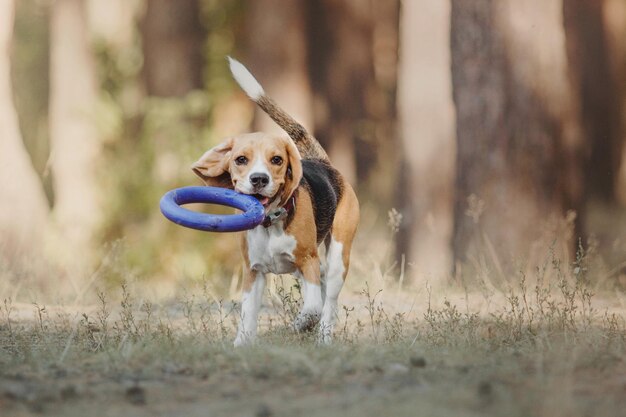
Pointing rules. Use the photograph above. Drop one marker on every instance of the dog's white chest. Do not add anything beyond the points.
(271, 250)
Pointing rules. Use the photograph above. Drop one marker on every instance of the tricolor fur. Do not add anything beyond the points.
(277, 170)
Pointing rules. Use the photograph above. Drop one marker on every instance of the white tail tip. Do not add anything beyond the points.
(245, 79)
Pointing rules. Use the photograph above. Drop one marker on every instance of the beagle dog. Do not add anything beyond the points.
(307, 204)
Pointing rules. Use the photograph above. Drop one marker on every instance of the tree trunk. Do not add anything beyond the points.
(75, 146)
(518, 144)
(114, 21)
(596, 84)
(341, 68)
(615, 18)
(276, 42)
(30, 52)
(24, 208)
(172, 37)
(426, 127)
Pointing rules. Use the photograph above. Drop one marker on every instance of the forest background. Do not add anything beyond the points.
(480, 135)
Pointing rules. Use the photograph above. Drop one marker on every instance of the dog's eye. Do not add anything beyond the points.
(277, 160)
(241, 160)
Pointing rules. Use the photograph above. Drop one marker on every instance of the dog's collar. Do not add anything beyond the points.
(280, 213)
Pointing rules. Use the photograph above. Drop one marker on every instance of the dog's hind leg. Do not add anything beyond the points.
(333, 283)
(338, 260)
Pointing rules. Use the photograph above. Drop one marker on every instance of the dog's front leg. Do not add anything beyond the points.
(311, 294)
(253, 288)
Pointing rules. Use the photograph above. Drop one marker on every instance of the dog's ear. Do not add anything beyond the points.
(212, 167)
(294, 169)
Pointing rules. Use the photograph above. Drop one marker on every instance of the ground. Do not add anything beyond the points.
(528, 352)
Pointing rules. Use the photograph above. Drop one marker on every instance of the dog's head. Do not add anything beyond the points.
(265, 166)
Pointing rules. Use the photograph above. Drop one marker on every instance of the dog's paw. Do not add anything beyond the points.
(244, 339)
(325, 334)
(306, 321)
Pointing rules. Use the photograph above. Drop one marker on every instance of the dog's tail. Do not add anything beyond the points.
(308, 146)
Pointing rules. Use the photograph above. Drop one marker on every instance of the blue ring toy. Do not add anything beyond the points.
(253, 212)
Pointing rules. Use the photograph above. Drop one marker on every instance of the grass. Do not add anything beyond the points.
(547, 348)
(549, 341)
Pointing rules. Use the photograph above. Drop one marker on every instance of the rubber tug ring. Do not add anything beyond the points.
(253, 211)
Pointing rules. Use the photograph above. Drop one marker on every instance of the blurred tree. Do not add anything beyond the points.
(519, 147)
(353, 103)
(30, 53)
(114, 21)
(75, 146)
(614, 14)
(276, 41)
(378, 154)
(596, 83)
(426, 118)
(156, 131)
(24, 208)
(172, 37)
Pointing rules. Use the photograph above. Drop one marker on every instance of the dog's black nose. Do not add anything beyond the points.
(259, 180)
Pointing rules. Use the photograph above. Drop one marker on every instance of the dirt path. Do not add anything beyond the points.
(393, 383)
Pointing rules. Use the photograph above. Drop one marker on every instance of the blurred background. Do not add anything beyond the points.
(479, 135)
